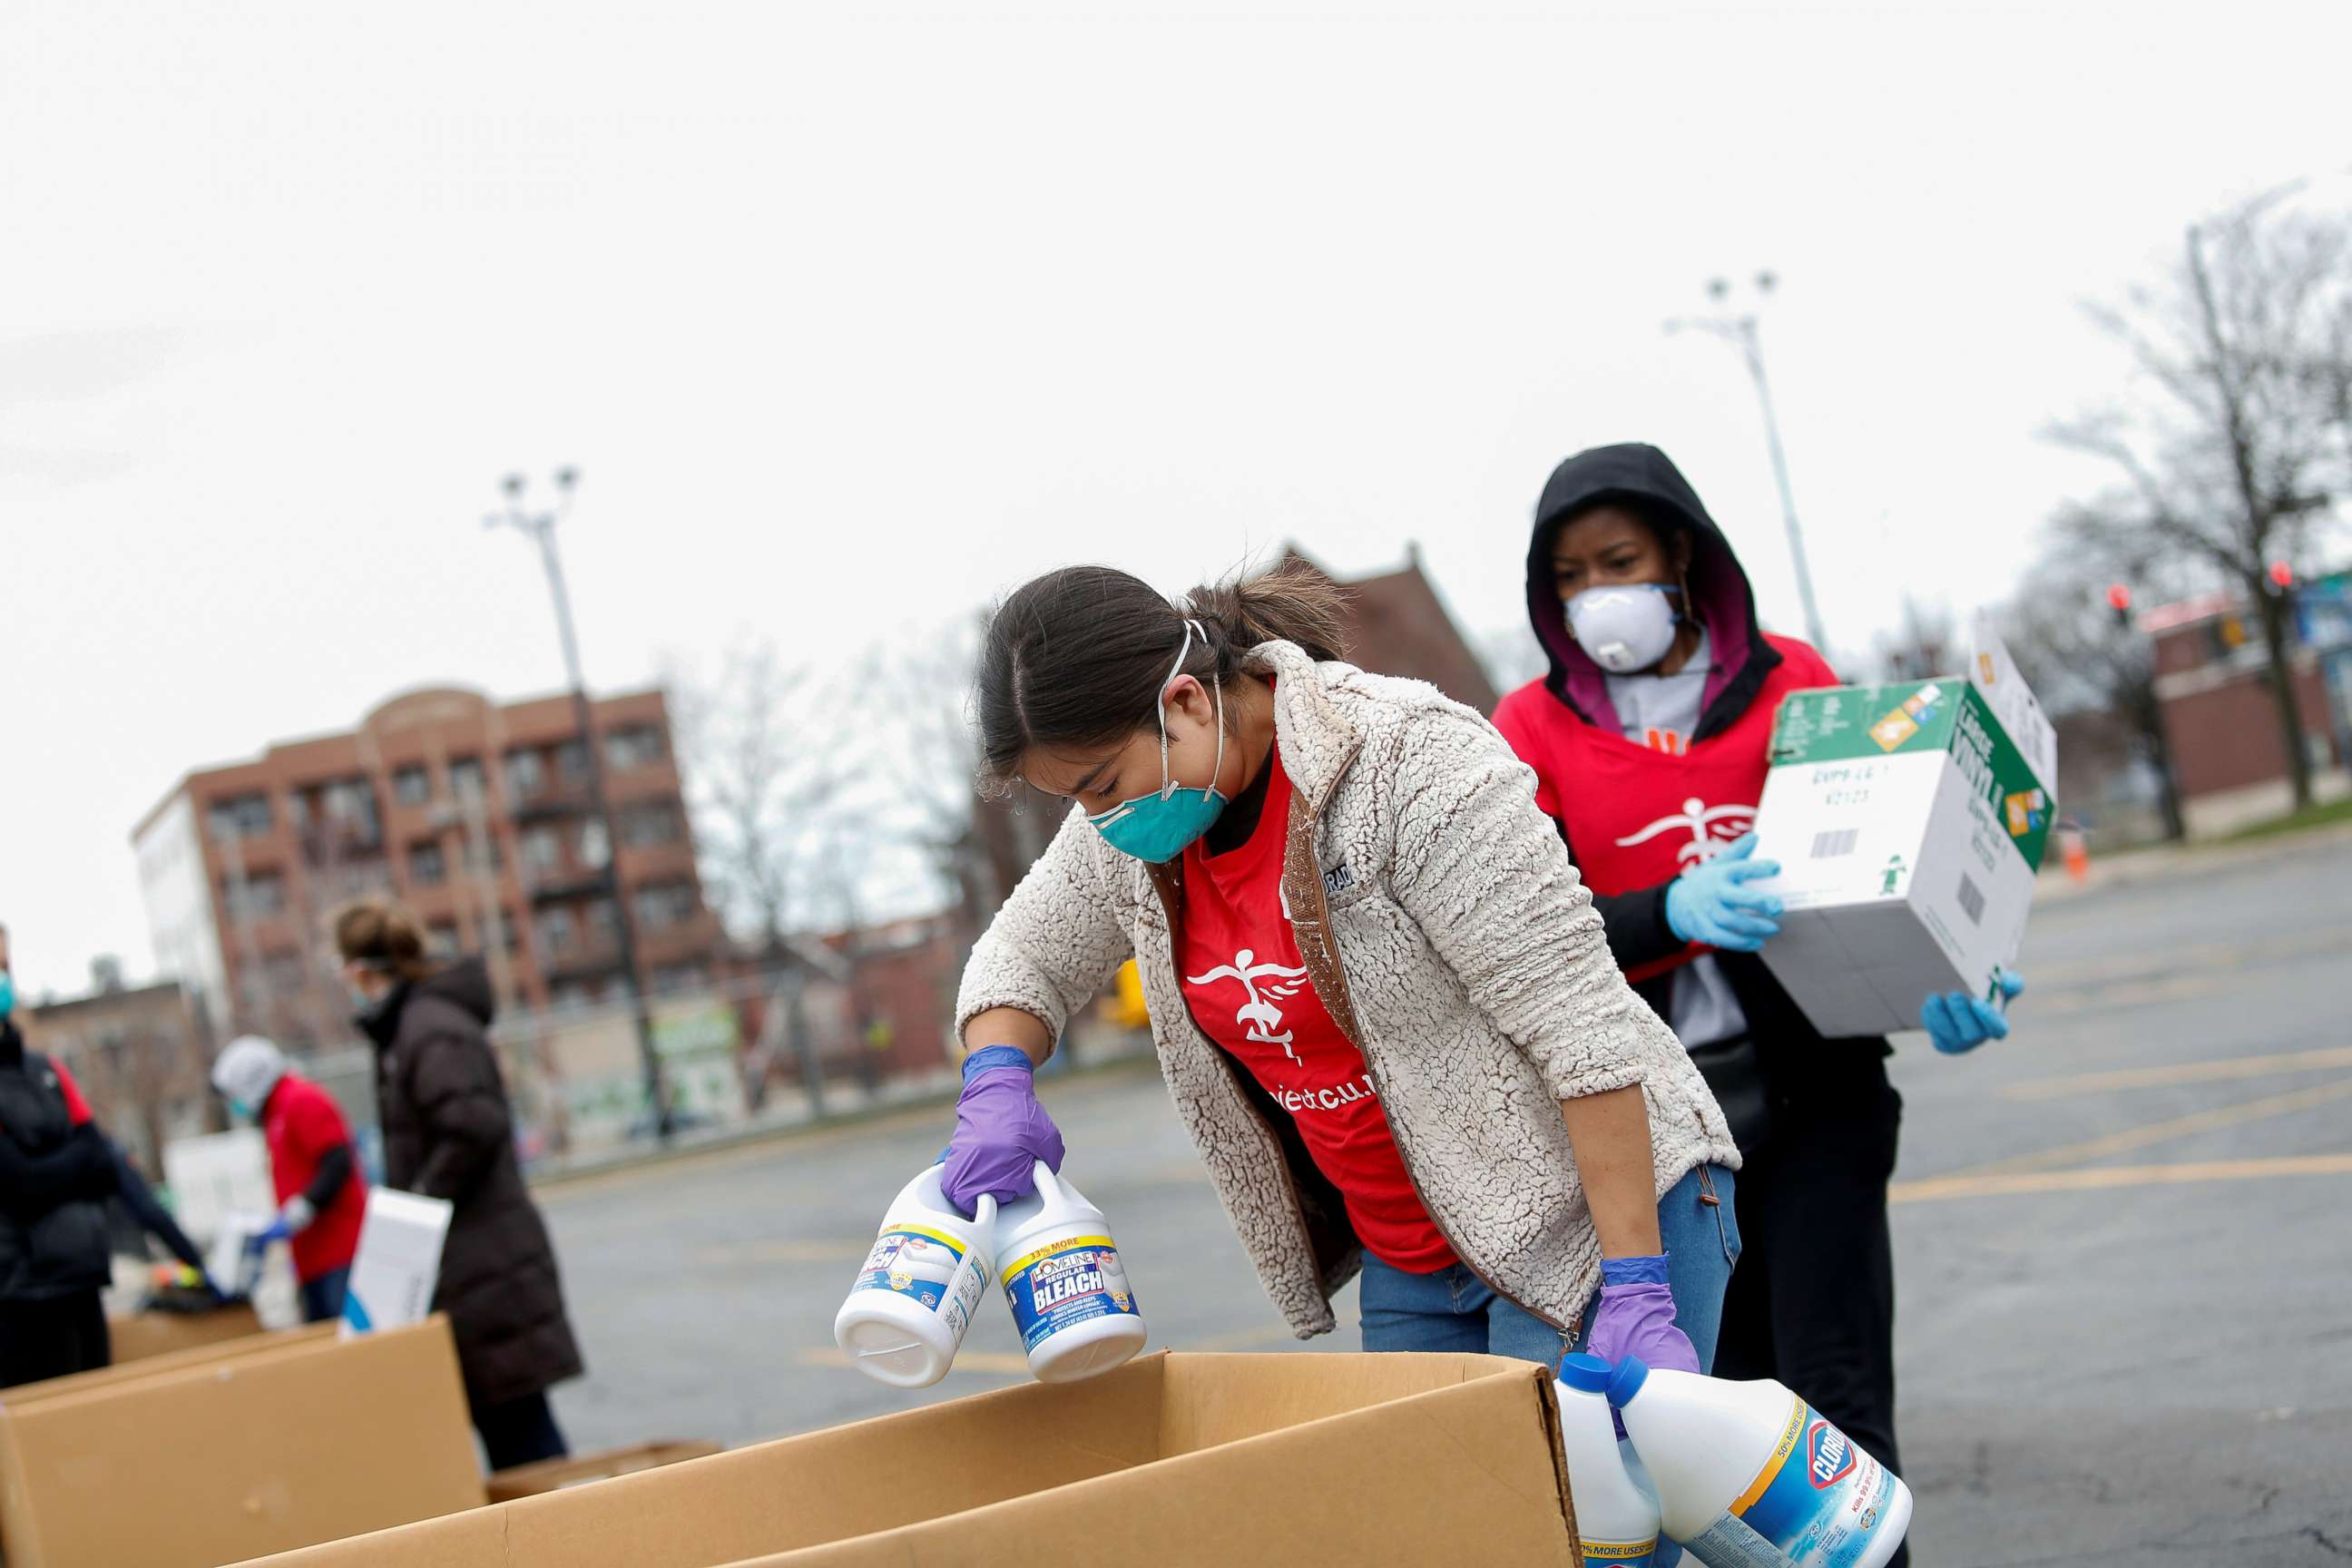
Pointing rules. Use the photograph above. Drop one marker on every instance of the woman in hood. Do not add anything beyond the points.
(448, 1133)
(1382, 1002)
(1650, 739)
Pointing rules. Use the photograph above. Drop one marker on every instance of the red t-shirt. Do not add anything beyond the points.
(301, 1122)
(1249, 992)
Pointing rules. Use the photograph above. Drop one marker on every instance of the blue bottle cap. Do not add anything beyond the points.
(1585, 1374)
(1626, 1381)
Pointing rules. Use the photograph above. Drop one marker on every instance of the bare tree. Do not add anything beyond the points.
(2079, 651)
(977, 849)
(768, 782)
(1921, 644)
(2244, 407)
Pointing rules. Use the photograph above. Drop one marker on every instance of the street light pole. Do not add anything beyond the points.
(539, 526)
(1742, 332)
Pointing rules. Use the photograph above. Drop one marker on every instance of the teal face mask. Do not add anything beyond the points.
(241, 1111)
(7, 993)
(1156, 828)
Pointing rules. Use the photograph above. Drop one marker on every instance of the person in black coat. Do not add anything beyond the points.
(448, 1133)
(56, 1172)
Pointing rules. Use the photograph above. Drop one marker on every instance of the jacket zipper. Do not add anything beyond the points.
(1328, 946)
(1169, 887)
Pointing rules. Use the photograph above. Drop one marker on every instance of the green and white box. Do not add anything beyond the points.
(1908, 824)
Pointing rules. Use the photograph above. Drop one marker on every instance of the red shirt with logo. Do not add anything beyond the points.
(301, 1123)
(1642, 810)
(1249, 992)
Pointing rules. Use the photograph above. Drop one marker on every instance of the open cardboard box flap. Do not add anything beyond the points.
(1174, 1459)
(216, 1460)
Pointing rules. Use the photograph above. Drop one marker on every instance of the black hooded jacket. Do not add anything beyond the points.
(449, 1133)
(1741, 658)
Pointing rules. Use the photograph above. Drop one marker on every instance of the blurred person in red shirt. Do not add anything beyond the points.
(321, 1195)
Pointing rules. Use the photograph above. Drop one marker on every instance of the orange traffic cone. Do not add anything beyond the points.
(2074, 850)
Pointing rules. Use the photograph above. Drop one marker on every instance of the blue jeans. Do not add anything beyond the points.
(1452, 1309)
(323, 1297)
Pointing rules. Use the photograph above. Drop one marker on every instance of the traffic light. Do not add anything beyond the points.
(2119, 601)
(2282, 575)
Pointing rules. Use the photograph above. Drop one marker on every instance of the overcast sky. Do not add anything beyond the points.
(856, 315)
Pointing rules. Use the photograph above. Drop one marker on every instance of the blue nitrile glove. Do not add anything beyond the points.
(260, 1239)
(1709, 903)
(1000, 1130)
(1959, 1022)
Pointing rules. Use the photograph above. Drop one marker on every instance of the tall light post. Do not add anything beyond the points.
(1740, 330)
(539, 526)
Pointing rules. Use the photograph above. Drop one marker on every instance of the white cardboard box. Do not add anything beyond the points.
(398, 1263)
(1909, 822)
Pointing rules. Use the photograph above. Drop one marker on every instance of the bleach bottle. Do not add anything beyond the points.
(1616, 1515)
(1750, 1475)
(918, 1288)
(1071, 1301)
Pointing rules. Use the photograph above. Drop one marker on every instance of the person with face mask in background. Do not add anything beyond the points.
(56, 1170)
(448, 1133)
(321, 1195)
(1382, 998)
(1650, 739)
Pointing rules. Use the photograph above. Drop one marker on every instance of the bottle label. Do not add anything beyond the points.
(916, 1261)
(1619, 1553)
(1816, 1504)
(1064, 1283)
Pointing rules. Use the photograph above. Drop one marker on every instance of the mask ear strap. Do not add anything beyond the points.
(1167, 784)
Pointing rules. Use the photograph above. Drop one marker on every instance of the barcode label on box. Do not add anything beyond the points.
(1971, 900)
(1831, 842)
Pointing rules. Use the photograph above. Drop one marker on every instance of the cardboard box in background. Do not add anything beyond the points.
(145, 1335)
(398, 1262)
(166, 1361)
(1173, 1459)
(1908, 824)
(555, 1475)
(250, 1453)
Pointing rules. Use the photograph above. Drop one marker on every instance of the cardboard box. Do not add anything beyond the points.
(1175, 1460)
(145, 1335)
(167, 1361)
(555, 1475)
(1908, 824)
(215, 1462)
(398, 1263)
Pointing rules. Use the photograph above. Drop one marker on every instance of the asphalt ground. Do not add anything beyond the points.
(2124, 1253)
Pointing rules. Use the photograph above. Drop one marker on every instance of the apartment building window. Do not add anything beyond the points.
(255, 898)
(604, 921)
(465, 780)
(426, 866)
(239, 816)
(526, 771)
(542, 850)
(665, 904)
(671, 978)
(441, 939)
(571, 762)
(558, 930)
(412, 784)
(638, 746)
(652, 825)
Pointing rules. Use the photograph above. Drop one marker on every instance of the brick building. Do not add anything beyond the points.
(1396, 624)
(475, 814)
(2221, 719)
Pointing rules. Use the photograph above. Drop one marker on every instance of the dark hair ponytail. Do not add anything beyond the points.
(1078, 659)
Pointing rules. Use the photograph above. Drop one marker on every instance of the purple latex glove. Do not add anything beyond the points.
(1636, 1316)
(1000, 1130)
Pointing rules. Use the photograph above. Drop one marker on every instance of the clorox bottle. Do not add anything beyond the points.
(1616, 1516)
(917, 1289)
(1750, 1475)
(1070, 1298)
